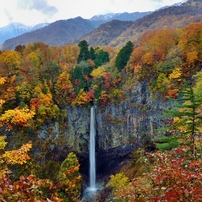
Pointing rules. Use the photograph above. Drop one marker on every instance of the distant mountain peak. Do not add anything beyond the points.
(103, 16)
(125, 16)
(175, 4)
(180, 3)
(15, 29)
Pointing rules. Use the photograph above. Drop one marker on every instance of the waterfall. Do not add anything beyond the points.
(91, 193)
(92, 170)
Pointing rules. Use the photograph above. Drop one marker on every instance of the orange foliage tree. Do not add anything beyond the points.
(191, 48)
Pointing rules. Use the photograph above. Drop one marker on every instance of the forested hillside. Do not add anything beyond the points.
(105, 33)
(171, 17)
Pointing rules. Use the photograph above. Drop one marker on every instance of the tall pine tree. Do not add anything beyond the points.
(84, 53)
(188, 112)
(123, 56)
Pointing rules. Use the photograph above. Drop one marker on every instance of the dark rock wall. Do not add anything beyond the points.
(132, 122)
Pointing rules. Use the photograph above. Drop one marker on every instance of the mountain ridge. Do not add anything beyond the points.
(97, 33)
(92, 22)
(175, 16)
(53, 34)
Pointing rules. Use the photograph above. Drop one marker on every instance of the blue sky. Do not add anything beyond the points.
(31, 12)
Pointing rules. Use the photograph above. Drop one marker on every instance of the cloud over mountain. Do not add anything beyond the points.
(39, 5)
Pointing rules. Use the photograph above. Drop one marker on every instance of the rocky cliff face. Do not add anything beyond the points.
(119, 128)
(132, 122)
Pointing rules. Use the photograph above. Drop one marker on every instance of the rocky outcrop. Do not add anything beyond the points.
(128, 124)
(132, 122)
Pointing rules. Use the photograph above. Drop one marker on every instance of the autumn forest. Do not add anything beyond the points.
(38, 82)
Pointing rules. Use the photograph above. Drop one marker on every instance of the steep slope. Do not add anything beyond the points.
(54, 34)
(16, 29)
(173, 17)
(105, 33)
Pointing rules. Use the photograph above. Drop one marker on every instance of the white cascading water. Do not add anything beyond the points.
(91, 192)
(92, 159)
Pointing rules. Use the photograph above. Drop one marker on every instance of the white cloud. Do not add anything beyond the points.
(31, 12)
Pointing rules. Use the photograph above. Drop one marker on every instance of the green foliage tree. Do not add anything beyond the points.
(50, 71)
(123, 56)
(84, 53)
(166, 143)
(80, 76)
(92, 53)
(85, 67)
(101, 58)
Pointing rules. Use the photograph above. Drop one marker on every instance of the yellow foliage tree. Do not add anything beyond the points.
(176, 74)
(10, 58)
(33, 58)
(117, 182)
(63, 88)
(98, 72)
(16, 117)
(2, 80)
(147, 58)
(18, 156)
(9, 118)
(81, 98)
(9, 63)
(192, 57)
(43, 103)
(71, 53)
